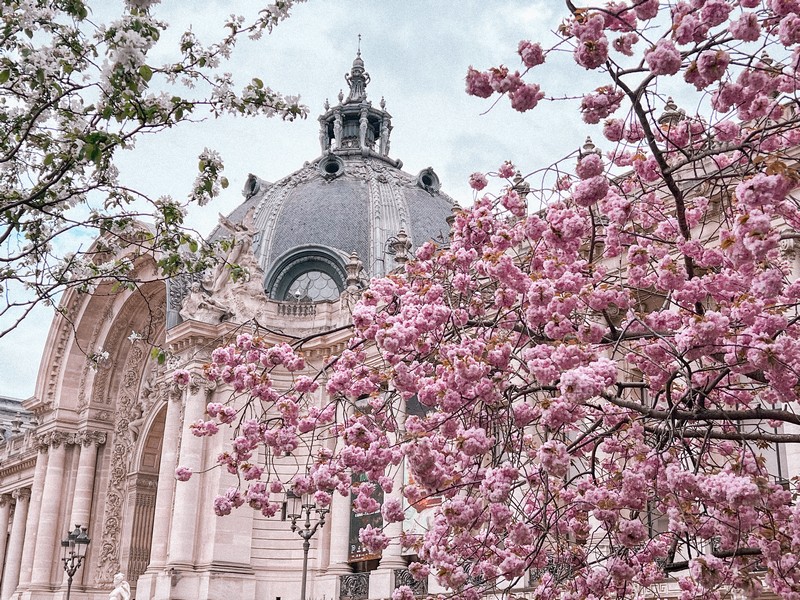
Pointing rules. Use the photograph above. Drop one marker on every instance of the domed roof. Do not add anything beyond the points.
(353, 198)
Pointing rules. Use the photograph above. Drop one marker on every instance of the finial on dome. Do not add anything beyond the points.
(672, 114)
(357, 79)
(588, 148)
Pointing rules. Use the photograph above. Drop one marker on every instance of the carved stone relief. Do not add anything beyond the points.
(121, 451)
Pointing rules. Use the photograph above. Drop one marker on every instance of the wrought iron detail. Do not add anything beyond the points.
(404, 577)
(354, 586)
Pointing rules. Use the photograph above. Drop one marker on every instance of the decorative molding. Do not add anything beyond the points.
(23, 466)
(121, 452)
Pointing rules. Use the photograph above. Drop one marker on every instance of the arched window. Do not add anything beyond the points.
(308, 275)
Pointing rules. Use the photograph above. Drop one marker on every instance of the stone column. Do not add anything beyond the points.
(790, 251)
(340, 534)
(35, 506)
(166, 479)
(16, 542)
(84, 481)
(47, 538)
(5, 512)
(381, 581)
(187, 494)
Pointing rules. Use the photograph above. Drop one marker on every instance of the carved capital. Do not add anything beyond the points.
(21, 494)
(53, 439)
(175, 393)
(88, 438)
(199, 383)
(5, 499)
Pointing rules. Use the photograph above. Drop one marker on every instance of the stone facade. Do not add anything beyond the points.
(99, 442)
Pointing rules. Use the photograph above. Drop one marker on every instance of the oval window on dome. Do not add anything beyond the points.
(312, 286)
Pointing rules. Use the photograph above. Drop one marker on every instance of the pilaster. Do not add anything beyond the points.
(16, 542)
(34, 508)
(47, 538)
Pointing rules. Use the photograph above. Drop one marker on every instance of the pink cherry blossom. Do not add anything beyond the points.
(663, 58)
(600, 104)
(478, 84)
(478, 181)
(531, 53)
(746, 28)
(525, 97)
(567, 379)
(181, 376)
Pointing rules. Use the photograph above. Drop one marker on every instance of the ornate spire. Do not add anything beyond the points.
(354, 126)
(357, 79)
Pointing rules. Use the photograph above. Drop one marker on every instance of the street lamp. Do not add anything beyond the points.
(73, 551)
(299, 510)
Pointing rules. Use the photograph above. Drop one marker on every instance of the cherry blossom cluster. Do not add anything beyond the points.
(594, 381)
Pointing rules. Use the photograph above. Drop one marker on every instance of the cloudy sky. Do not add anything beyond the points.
(416, 53)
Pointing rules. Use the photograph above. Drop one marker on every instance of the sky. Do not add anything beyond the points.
(417, 54)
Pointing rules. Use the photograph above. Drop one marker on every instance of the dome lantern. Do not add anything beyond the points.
(354, 126)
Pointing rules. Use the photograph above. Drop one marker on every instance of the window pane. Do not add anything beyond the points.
(312, 286)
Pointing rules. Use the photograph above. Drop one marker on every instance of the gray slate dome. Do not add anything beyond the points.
(351, 199)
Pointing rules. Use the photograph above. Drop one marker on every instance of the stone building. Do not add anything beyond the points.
(98, 443)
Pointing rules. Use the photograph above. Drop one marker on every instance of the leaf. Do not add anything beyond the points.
(224, 182)
(146, 72)
(4, 75)
(201, 166)
(258, 83)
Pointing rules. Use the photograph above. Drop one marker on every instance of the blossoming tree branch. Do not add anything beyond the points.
(605, 365)
(74, 91)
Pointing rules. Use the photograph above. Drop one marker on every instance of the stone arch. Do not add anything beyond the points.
(117, 398)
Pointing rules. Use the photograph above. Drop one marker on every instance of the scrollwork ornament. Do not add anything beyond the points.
(175, 393)
(41, 444)
(53, 439)
(21, 494)
(198, 384)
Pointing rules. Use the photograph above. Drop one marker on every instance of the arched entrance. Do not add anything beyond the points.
(140, 499)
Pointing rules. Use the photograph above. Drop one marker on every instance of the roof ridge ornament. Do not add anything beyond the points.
(357, 79)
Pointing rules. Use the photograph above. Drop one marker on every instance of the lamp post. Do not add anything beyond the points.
(73, 552)
(301, 511)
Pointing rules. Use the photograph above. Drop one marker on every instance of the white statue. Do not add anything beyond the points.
(122, 589)
(240, 248)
